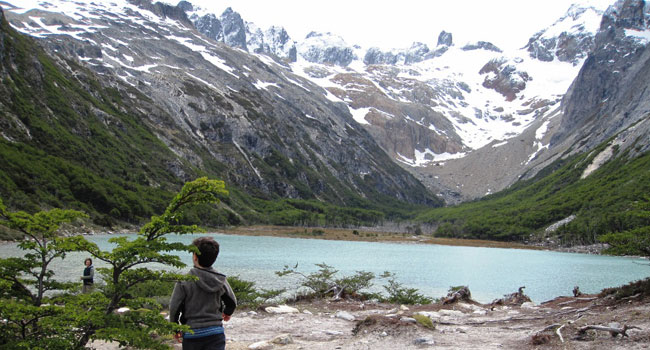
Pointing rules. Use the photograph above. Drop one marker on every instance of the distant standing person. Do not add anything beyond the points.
(87, 278)
(203, 304)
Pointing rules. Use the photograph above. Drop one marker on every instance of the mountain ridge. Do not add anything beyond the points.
(265, 157)
(439, 121)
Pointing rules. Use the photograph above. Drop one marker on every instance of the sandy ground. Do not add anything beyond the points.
(463, 325)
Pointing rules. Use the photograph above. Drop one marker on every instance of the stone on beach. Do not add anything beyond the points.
(281, 309)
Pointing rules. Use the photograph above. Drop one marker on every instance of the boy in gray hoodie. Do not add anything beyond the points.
(205, 303)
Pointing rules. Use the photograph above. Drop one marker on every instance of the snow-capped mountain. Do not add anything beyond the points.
(273, 133)
(446, 112)
(232, 30)
(569, 39)
(424, 105)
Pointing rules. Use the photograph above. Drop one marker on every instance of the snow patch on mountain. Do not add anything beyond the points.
(642, 36)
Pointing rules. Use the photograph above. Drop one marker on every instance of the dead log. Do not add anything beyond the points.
(614, 331)
(539, 338)
(516, 298)
(462, 294)
(576, 300)
(632, 296)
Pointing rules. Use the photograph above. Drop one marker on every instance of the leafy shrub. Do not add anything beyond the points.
(323, 282)
(247, 295)
(641, 287)
(399, 294)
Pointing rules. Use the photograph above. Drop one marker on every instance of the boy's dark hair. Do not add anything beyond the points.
(209, 249)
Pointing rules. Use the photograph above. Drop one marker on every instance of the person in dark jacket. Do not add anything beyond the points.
(87, 278)
(203, 304)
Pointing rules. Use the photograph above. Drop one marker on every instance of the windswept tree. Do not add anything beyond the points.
(26, 282)
(79, 318)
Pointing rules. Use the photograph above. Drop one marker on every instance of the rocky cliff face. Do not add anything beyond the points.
(326, 48)
(275, 133)
(481, 45)
(611, 93)
(232, 30)
(445, 39)
(569, 39)
(274, 41)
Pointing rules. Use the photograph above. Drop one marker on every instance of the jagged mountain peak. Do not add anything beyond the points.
(231, 29)
(326, 48)
(445, 38)
(569, 39)
(627, 14)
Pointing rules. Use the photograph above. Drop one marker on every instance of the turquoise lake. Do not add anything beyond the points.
(490, 273)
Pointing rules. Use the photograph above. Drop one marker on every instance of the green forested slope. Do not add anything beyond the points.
(614, 198)
(72, 139)
(66, 146)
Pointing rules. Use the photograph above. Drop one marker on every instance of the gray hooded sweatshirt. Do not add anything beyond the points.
(199, 304)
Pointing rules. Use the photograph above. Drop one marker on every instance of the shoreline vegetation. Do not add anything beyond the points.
(366, 235)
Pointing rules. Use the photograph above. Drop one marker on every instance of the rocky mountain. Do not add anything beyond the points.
(569, 39)
(434, 106)
(606, 102)
(232, 30)
(610, 97)
(326, 48)
(259, 127)
(466, 120)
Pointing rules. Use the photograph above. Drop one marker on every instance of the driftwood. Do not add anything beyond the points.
(632, 296)
(542, 338)
(338, 292)
(576, 291)
(614, 331)
(516, 298)
(462, 294)
(576, 300)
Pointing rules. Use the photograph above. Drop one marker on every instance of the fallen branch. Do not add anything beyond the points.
(632, 297)
(559, 333)
(612, 330)
(576, 300)
(558, 328)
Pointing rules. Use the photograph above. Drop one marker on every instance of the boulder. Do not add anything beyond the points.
(281, 309)
(261, 345)
(344, 315)
(282, 339)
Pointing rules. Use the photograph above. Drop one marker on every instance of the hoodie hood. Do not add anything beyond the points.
(209, 279)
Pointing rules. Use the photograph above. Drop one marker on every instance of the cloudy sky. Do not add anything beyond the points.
(398, 23)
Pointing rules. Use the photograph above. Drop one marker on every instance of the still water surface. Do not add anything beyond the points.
(432, 269)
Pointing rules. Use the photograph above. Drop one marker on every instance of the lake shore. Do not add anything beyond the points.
(556, 324)
(363, 235)
(368, 235)
(582, 322)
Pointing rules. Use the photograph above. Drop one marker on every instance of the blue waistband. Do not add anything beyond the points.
(204, 332)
